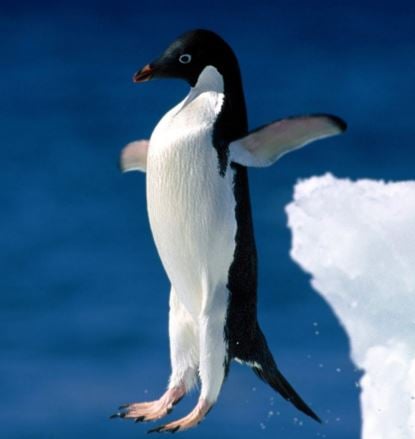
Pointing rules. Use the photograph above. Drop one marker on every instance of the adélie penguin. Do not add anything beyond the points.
(200, 215)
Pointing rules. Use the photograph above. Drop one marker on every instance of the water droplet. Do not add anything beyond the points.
(254, 389)
(315, 324)
(262, 425)
(338, 370)
(321, 365)
(317, 332)
(270, 414)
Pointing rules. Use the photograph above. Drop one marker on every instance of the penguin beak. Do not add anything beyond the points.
(145, 74)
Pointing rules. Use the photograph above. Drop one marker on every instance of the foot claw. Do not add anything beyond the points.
(155, 429)
(117, 415)
(140, 419)
(164, 429)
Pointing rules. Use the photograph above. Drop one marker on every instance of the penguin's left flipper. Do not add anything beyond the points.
(134, 156)
(265, 145)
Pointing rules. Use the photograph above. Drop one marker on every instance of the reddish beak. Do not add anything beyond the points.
(144, 74)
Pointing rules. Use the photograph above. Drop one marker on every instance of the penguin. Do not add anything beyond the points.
(199, 209)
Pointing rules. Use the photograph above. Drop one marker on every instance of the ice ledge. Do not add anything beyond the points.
(357, 240)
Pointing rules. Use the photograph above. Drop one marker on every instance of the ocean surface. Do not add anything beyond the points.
(83, 295)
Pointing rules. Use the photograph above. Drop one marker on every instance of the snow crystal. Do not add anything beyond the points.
(357, 239)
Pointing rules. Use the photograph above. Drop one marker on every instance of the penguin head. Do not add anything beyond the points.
(188, 56)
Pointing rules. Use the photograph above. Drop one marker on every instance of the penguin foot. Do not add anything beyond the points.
(151, 411)
(194, 418)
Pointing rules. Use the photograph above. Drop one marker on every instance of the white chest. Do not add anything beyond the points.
(191, 206)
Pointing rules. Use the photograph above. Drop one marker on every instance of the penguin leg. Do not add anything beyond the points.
(212, 360)
(264, 366)
(184, 359)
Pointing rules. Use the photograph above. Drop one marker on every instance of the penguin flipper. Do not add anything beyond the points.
(265, 145)
(134, 156)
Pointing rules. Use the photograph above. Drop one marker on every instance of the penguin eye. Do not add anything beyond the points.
(185, 58)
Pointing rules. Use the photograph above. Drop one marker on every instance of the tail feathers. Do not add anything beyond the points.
(277, 381)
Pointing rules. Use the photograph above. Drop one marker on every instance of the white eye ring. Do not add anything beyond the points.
(185, 58)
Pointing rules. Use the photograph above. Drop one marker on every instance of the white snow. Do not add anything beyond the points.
(357, 240)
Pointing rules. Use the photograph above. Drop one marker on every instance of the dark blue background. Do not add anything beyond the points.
(83, 295)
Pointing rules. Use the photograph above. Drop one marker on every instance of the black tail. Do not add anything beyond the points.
(265, 368)
(277, 381)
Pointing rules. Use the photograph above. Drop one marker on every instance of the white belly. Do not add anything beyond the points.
(191, 207)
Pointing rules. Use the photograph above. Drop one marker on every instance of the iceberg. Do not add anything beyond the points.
(357, 240)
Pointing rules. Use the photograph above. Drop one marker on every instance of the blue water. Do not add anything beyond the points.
(83, 296)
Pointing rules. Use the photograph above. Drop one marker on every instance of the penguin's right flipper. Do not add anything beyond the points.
(134, 156)
(265, 145)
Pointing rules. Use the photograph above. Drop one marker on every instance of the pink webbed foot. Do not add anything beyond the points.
(151, 411)
(191, 420)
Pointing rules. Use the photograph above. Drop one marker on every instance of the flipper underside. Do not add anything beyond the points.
(265, 145)
(134, 156)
